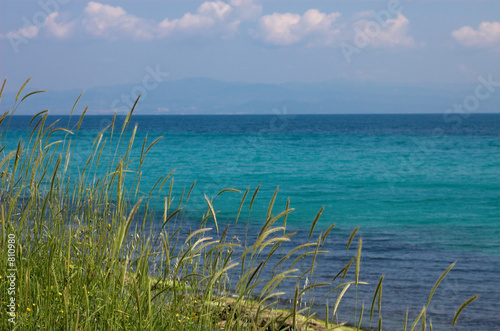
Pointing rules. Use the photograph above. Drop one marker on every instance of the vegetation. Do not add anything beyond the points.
(88, 253)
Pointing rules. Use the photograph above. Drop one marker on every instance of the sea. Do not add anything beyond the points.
(423, 189)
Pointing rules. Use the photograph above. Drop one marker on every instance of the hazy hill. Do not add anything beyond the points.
(208, 96)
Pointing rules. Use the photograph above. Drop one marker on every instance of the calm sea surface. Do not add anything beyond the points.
(424, 190)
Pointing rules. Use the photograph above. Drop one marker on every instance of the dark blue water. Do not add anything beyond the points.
(424, 190)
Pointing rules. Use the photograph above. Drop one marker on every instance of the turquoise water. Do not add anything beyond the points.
(424, 192)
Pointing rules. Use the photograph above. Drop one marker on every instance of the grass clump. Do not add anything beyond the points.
(88, 252)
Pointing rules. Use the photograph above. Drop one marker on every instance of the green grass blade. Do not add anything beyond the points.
(30, 94)
(295, 301)
(318, 215)
(1, 90)
(74, 106)
(326, 233)
(254, 196)
(406, 320)
(21, 89)
(438, 282)
(271, 204)
(337, 302)
(418, 318)
(351, 237)
(462, 307)
(358, 260)
(241, 205)
(361, 316)
(379, 286)
(228, 190)
(129, 115)
(213, 213)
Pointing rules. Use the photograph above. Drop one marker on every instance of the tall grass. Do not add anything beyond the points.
(91, 254)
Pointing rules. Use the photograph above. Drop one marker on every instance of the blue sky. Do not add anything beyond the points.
(65, 44)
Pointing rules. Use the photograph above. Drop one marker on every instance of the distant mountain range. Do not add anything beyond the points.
(209, 96)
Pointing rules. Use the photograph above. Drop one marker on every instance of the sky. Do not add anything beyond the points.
(64, 44)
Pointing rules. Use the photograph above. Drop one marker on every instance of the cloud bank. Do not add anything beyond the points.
(224, 20)
(486, 35)
(288, 28)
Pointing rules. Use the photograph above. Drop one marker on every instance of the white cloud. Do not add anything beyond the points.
(247, 10)
(27, 32)
(49, 27)
(211, 17)
(386, 34)
(217, 10)
(223, 19)
(488, 34)
(59, 30)
(114, 22)
(209, 14)
(277, 28)
(317, 28)
(190, 23)
(287, 29)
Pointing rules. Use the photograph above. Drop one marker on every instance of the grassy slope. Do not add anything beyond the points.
(87, 257)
